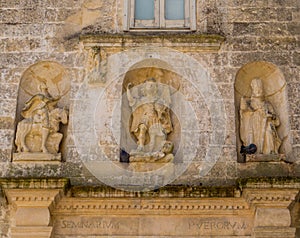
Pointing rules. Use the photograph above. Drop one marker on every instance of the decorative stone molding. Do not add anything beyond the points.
(148, 206)
(32, 201)
(170, 191)
(32, 183)
(272, 200)
(257, 208)
(181, 42)
(145, 216)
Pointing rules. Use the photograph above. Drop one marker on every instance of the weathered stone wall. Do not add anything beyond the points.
(38, 30)
(32, 31)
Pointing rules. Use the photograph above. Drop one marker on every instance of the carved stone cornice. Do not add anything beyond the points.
(186, 42)
(32, 200)
(151, 206)
(34, 183)
(276, 192)
(168, 191)
(269, 183)
(34, 192)
(33, 197)
(267, 197)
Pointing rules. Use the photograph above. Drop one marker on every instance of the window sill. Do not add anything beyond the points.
(183, 41)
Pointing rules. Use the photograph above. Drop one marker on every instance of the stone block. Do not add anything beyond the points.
(245, 43)
(296, 137)
(240, 59)
(9, 16)
(272, 217)
(6, 138)
(8, 91)
(8, 108)
(274, 232)
(7, 123)
(32, 216)
(293, 28)
(226, 90)
(245, 3)
(296, 58)
(296, 166)
(37, 158)
(225, 74)
(262, 169)
(11, 4)
(284, 14)
(296, 16)
(5, 155)
(275, 43)
(229, 154)
(218, 171)
(231, 170)
(258, 29)
(31, 15)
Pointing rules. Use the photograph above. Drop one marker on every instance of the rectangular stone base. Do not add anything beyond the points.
(265, 158)
(26, 157)
(274, 232)
(146, 167)
(32, 232)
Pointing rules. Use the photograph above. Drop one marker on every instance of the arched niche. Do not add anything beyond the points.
(165, 76)
(45, 76)
(198, 105)
(274, 86)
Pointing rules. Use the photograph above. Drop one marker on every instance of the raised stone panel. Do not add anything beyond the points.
(184, 226)
(266, 217)
(24, 216)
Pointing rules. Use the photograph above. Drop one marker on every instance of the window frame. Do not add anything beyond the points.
(160, 23)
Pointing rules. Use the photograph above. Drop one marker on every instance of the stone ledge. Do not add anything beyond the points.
(35, 232)
(34, 183)
(182, 42)
(279, 232)
(147, 206)
(26, 157)
(269, 182)
(169, 191)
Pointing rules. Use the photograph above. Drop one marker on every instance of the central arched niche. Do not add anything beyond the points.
(137, 74)
(274, 86)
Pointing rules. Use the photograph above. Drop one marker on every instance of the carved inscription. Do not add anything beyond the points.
(86, 225)
(89, 224)
(227, 225)
(214, 226)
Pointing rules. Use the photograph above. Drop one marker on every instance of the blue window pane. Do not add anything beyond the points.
(144, 10)
(174, 10)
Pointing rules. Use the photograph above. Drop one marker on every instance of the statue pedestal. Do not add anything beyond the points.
(25, 157)
(265, 158)
(146, 166)
(145, 163)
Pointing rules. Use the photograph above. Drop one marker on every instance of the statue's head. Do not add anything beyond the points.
(257, 87)
(150, 87)
(168, 147)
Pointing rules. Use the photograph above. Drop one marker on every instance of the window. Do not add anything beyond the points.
(160, 14)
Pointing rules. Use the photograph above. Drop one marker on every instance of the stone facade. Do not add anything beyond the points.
(87, 38)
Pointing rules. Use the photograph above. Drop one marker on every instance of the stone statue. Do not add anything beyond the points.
(39, 130)
(151, 121)
(258, 121)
